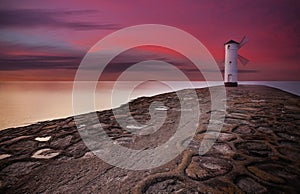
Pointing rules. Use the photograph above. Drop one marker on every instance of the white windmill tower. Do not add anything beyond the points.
(231, 61)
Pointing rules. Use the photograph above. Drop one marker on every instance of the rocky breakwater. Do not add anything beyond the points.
(257, 151)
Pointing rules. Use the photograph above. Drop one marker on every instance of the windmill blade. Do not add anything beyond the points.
(243, 60)
(243, 41)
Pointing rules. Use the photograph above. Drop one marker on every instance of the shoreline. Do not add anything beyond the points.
(244, 83)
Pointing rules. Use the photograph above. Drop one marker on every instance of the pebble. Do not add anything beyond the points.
(42, 139)
(162, 108)
(3, 156)
(45, 153)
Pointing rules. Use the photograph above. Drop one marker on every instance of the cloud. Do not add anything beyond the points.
(246, 71)
(222, 70)
(12, 63)
(28, 18)
(14, 40)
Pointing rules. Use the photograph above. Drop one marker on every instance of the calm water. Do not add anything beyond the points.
(24, 103)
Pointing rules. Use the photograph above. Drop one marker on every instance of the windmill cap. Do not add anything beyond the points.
(231, 41)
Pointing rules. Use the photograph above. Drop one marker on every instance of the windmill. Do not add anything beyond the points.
(231, 61)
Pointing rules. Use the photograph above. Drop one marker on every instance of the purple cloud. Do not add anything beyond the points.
(27, 18)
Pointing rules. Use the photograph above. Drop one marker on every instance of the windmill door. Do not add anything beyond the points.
(229, 77)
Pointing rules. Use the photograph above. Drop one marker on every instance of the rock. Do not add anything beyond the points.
(3, 156)
(61, 143)
(77, 150)
(226, 137)
(289, 152)
(22, 147)
(161, 108)
(238, 116)
(14, 140)
(254, 148)
(167, 186)
(249, 185)
(265, 130)
(243, 129)
(45, 153)
(265, 175)
(13, 173)
(196, 172)
(202, 168)
(88, 155)
(42, 139)
(223, 148)
(135, 127)
(289, 137)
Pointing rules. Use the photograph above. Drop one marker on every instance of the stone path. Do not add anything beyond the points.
(257, 151)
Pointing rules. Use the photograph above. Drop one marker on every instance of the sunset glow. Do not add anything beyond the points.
(46, 40)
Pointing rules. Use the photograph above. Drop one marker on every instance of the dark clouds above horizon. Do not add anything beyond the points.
(28, 18)
(53, 35)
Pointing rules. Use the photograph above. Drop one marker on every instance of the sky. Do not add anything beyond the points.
(46, 40)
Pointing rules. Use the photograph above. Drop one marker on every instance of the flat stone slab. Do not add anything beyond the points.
(45, 153)
(257, 150)
(42, 139)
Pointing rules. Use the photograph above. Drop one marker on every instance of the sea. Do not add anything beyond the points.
(27, 102)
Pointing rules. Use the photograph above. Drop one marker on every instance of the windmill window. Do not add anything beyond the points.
(228, 46)
(229, 61)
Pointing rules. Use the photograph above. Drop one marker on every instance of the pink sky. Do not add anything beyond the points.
(46, 40)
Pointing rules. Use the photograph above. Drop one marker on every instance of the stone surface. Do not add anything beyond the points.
(45, 153)
(42, 139)
(257, 150)
(249, 185)
(203, 168)
(2, 156)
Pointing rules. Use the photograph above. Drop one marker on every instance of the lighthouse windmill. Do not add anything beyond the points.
(231, 61)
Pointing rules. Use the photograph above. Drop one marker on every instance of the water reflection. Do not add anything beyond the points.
(28, 102)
